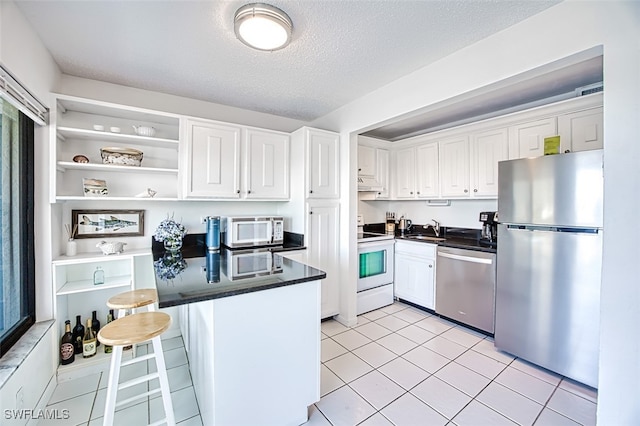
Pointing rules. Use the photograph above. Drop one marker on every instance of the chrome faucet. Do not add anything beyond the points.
(435, 226)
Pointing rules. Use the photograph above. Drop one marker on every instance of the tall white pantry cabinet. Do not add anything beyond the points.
(315, 155)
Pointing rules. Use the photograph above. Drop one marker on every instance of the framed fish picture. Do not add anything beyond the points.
(108, 223)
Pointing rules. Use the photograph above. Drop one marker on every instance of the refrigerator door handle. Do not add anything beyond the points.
(538, 228)
(466, 258)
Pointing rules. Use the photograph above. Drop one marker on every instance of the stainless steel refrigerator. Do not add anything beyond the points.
(549, 262)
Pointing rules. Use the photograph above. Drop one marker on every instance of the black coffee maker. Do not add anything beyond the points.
(489, 227)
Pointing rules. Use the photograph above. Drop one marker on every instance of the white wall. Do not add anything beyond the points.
(24, 55)
(556, 33)
(32, 378)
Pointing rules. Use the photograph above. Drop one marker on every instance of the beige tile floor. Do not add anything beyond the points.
(398, 366)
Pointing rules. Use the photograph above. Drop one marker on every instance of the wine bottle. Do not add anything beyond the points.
(67, 346)
(95, 325)
(89, 342)
(78, 334)
(108, 349)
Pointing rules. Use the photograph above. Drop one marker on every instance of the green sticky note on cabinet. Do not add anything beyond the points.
(552, 145)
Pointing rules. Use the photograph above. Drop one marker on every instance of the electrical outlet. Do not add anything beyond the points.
(20, 399)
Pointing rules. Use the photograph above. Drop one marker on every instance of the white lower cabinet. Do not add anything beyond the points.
(323, 246)
(415, 267)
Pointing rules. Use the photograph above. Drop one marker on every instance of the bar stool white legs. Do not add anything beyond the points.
(137, 328)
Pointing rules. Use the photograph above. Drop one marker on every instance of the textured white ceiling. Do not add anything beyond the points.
(340, 50)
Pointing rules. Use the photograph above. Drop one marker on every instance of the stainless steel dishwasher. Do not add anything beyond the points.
(466, 286)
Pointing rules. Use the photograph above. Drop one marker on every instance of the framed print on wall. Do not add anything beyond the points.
(108, 223)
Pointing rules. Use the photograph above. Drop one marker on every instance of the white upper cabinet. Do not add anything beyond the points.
(527, 139)
(324, 164)
(582, 130)
(223, 161)
(427, 171)
(382, 172)
(267, 167)
(405, 173)
(454, 167)
(367, 161)
(417, 172)
(487, 149)
(212, 160)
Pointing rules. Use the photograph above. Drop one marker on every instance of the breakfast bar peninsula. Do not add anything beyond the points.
(250, 321)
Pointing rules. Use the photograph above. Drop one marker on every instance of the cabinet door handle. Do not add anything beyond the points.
(475, 190)
(310, 212)
(411, 193)
(311, 191)
(430, 266)
(237, 191)
(418, 192)
(249, 192)
(466, 190)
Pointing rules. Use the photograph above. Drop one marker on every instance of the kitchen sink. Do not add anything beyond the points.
(424, 238)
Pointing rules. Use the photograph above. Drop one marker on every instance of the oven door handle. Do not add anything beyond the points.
(466, 258)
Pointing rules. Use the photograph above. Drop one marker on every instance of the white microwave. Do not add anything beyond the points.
(252, 231)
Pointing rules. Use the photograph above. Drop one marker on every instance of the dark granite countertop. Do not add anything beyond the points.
(195, 275)
(463, 238)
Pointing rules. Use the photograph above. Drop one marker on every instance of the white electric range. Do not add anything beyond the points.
(375, 278)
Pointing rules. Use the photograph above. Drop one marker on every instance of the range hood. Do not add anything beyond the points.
(367, 183)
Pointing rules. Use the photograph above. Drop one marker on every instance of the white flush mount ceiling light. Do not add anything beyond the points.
(262, 26)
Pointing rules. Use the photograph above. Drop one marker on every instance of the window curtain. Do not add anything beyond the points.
(10, 285)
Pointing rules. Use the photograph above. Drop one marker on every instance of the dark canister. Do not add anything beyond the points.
(213, 233)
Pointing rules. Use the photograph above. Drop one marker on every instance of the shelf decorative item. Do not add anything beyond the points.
(144, 131)
(121, 156)
(115, 247)
(94, 187)
(108, 223)
(72, 246)
(171, 234)
(170, 265)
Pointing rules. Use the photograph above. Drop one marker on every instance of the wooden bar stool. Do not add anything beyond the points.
(128, 330)
(132, 300)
